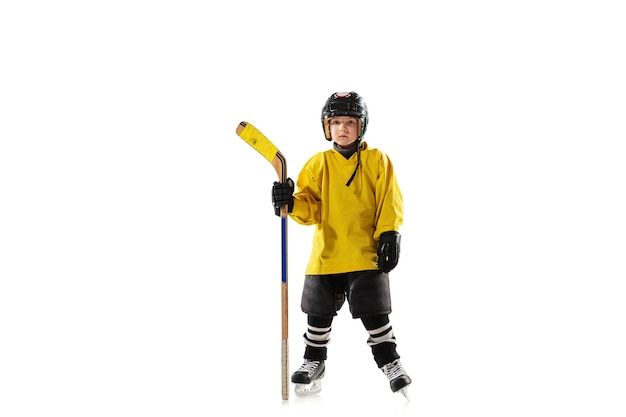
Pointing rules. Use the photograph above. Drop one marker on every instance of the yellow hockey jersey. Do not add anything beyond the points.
(348, 219)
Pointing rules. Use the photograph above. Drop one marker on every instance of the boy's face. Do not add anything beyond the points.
(344, 130)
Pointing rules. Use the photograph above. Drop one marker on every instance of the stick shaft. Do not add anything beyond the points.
(284, 297)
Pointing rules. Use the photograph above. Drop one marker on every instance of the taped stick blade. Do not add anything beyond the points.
(257, 140)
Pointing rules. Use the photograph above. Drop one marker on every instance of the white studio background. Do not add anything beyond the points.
(139, 252)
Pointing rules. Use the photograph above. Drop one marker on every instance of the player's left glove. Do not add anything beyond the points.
(388, 251)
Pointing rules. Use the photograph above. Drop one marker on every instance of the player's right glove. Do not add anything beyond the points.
(282, 194)
(388, 250)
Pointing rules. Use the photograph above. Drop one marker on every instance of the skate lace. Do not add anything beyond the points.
(393, 370)
(309, 367)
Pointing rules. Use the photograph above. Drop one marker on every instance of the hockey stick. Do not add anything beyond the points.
(262, 144)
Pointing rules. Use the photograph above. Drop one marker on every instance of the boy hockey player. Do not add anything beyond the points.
(351, 195)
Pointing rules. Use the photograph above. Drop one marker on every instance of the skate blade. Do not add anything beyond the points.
(308, 389)
(404, 391)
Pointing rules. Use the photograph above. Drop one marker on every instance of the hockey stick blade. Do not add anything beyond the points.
(264, 146)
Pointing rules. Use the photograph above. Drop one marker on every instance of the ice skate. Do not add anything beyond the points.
(308, 378)
(398, 378)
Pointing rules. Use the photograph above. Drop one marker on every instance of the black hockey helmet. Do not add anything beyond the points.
(345, 104)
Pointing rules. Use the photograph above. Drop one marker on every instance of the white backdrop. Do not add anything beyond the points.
(140, 256)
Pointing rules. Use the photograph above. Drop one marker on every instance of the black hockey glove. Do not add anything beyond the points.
(282, 194)
(388, 251)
